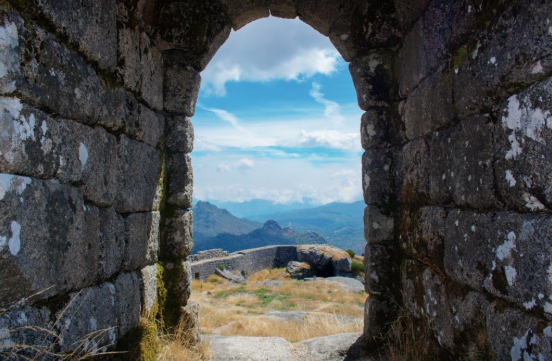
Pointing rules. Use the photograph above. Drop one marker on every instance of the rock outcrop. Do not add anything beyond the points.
(326, 260)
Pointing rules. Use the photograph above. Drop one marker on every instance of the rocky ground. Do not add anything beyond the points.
(339, 347)
(273, 317)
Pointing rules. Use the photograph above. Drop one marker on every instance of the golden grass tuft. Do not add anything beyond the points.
(306, 328)
(405, 341)
(179, 346)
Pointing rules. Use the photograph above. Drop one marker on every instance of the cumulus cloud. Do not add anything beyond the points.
(326, 139)
(332, 110)
(242, 165)
(267, 50)
(341, 186)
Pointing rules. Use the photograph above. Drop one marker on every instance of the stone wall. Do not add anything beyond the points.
(456, 176)
(246, 262)
(91, 189)
(209, 254)
(96, 181)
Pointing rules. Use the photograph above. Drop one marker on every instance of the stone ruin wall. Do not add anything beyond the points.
(96, 99)
(209, 254)
(248, 262)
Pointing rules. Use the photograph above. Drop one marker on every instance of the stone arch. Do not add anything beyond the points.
(96, 97)
(363, 33)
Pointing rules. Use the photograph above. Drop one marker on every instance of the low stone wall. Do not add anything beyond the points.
(209, 254)
(246, 262)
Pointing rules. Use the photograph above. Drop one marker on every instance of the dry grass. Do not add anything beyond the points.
(308, 327)
(405, 341)
(239, 308)
(179, 346)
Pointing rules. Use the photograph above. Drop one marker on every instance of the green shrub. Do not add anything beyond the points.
(350, 252)
(357, 267)
(221, 267)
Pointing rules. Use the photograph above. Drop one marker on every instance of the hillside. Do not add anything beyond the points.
(270, 234)
(340, 223)
(209, 221)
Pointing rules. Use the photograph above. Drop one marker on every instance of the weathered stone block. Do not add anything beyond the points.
(29, 140)
(425, 47)
(414, 165)
(375, 128)
(89, 23)
(379, 266)
(152, 73)
(141, 66)
(141, 240)
(286, 9)
(190, 320)
(244, 12)
(430, 106)
(140, 169)
(378, 315)
(45, 234)
(180, 282)
(25, 333)
(372, 78)
(451, 314)
(57, 78)
(180, 180)
(148, 288)
(148, 126)
(51, 77)
(112, 243)
(10, 51)
(181, 89)
(89, 156)
(321, 15)
(97, 317)
(377, 227)
(195, 28)
(178, 234)
(179, 134)
(129, 58)
(518, 336)
(409, 11)
(506, 251)
(523, 148)
(497, 67)
(376, 176)
(370, 26)
(461, 165)
(422, 234)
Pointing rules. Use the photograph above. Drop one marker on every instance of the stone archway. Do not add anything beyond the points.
(96, 98)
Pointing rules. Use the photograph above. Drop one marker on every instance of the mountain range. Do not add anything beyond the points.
(341, 224)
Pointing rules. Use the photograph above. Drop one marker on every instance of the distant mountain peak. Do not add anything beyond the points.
(271, 225)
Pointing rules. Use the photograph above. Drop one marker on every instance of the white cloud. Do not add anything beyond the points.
(201, 145)
(332, 110)
(279, 180)
(223, 167)
(326, 139)
(245, 164)
(267, 50)
(242, 165)
(224, 115)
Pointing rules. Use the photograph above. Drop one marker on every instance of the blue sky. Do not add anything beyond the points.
(277, 119)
